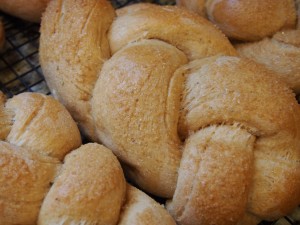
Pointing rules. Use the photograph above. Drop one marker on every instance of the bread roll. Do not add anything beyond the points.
(89, 190)
(30, 10)
(41, 124)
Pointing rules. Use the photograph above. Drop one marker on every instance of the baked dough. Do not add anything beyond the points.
(188, 119)
(246, 20)
(41, 186)
(281, 54)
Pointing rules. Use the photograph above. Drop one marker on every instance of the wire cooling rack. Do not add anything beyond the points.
(19, 64)
(20, 70)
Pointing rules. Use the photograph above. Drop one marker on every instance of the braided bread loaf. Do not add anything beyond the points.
(89, 188)
(186, 122)
(246, 20)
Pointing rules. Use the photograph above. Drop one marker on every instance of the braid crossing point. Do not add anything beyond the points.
(45, 181)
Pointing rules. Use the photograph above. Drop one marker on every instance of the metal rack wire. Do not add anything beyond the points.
(20, 70)
(19, 65)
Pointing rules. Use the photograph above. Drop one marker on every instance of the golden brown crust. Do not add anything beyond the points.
(280, 54)
(140, 209)
(30, 10)
(142, 100)
(25, 178)
(193, 35)
(42, 124)
(38, 132)
(145, 108)
(89, 190)
(251, 20)
(214, 176)
(72, 51)
(248, 100)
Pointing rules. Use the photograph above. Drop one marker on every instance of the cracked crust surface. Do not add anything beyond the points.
(41, 123)
(36, 133)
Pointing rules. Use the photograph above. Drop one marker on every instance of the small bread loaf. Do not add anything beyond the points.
(246, 20)
(30, 10)
(281, 54)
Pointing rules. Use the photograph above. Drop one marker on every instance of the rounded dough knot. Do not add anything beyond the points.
(269, 30)
(89, 188)
(164, 90)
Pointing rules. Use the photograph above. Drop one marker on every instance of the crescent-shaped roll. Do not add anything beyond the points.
(89, 190)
